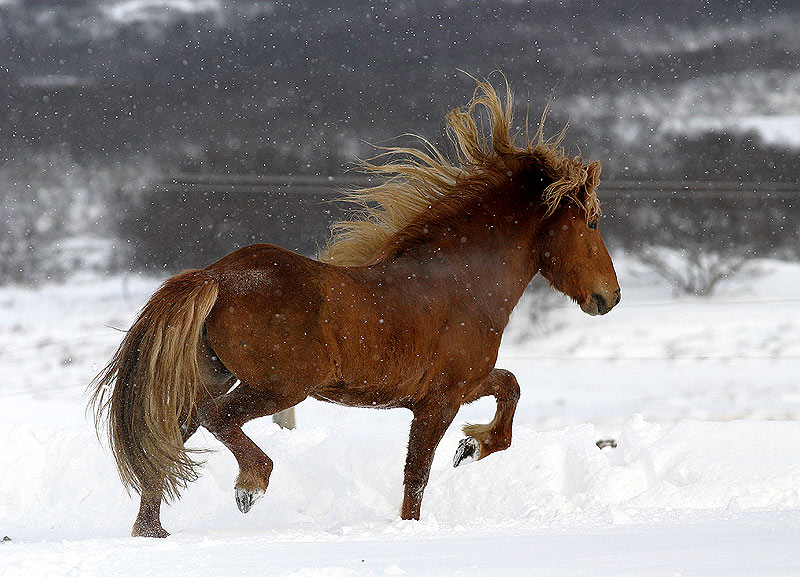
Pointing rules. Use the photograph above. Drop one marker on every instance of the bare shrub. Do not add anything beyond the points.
(698, 271)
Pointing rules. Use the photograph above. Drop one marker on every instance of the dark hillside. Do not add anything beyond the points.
(267, 80)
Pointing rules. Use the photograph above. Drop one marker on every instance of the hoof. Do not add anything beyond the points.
(603, 443)
(468, 450)
(153, 532)
(246, 499)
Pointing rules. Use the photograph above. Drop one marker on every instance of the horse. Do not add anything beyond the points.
(405, 308)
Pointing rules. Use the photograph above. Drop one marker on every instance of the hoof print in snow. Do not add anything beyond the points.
(246, 499)
(603, 443)
(468, 450)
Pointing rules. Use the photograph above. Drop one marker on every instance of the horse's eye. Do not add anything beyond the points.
(592, 225)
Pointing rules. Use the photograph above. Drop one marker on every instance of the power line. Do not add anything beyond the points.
(316, 184)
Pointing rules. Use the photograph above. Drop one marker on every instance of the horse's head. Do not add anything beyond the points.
(573, 256)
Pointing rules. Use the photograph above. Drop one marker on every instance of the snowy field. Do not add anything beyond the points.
(702, 394)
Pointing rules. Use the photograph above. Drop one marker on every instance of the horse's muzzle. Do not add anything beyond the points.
(597, 304)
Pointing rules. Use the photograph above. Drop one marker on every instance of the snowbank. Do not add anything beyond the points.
(705, 479)
(59, 483)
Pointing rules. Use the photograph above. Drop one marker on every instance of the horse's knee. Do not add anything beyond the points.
(506, 385)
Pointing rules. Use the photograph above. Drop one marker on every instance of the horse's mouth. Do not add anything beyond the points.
(597, 304)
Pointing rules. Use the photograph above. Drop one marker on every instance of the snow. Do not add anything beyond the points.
(771, 128)
(702, 395)
(130, 11)
(740, 102)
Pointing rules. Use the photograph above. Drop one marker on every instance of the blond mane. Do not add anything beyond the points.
(417, 178)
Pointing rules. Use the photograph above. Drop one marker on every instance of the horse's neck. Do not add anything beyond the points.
(485, 255)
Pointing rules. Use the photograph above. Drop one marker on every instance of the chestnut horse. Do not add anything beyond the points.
(405, 309)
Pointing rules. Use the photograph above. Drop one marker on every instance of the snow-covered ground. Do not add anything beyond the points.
(702, 394)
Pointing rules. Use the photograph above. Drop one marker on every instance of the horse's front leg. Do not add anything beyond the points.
(427, 429)
(224, 417)
(483, 440)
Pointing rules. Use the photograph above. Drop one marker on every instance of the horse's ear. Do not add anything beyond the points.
(593, 174)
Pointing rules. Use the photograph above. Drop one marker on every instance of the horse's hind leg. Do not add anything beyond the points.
(224, 417)
(483, 440)
(148, 520)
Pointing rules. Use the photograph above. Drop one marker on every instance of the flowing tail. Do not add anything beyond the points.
(149, 388)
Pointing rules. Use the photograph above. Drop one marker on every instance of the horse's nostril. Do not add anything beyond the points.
(600, 302)
(617, 295)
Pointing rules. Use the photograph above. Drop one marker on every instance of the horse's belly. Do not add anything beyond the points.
(369, 393)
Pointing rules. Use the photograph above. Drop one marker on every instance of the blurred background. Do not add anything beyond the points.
(156, 135)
